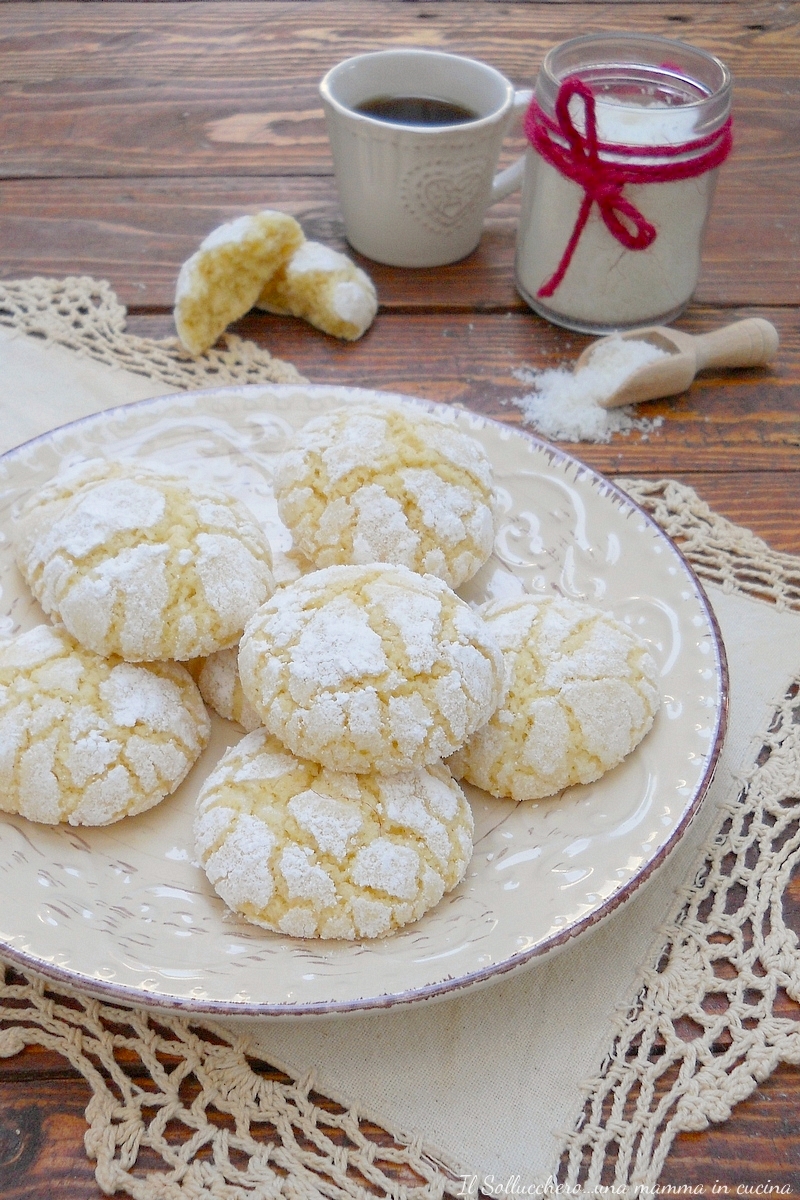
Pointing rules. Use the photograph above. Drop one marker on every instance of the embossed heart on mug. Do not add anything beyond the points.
(441, 196)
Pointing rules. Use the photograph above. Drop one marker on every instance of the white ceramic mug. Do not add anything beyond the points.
(416, 195)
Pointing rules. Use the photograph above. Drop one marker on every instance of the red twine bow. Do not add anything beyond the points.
(602, 181)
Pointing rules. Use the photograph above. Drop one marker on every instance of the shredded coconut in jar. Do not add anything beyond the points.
(566, 406)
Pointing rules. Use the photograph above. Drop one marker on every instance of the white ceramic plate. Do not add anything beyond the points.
(125, 911)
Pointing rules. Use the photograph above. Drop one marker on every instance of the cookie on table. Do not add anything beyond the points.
(221, 688)
(89, 740)
(142, 562)
(581, 693)
(371, 667)
(310, 852)
(324, 288)
(224, 278)
(364, 483)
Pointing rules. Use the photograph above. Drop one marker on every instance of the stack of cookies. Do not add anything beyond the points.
(337, 816)
(367, 687)
(141, 570)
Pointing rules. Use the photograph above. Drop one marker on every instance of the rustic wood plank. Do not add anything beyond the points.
(134, 126)
(41, 1142)
(41, 1139)
(756, 500)
(729, 421)
(137, 232)
(757, 1147)
(249, 39)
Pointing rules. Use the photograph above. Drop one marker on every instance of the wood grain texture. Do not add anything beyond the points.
(137, 232)
(249, 39)
(742, 421)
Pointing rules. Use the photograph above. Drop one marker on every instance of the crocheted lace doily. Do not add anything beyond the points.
(706, 1026)
(85, 315)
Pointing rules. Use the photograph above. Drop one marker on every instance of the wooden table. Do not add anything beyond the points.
(130, 130)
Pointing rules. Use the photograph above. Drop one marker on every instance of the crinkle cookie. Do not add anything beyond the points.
(366, 484)
(324, 288)
(310, 852)
(225, 276)
(141, 562)
(365, 668)
(221, 688)
(89, 740)
(581, 694)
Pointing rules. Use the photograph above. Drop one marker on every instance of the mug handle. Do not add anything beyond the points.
(508, 181)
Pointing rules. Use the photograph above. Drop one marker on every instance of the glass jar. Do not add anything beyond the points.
(611, 230)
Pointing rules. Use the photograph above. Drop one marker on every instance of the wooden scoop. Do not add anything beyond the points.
(749, 343)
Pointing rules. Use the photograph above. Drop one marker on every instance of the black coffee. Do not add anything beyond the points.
(415, 110)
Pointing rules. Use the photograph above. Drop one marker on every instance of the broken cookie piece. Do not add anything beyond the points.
(324, 288)
(225, 276)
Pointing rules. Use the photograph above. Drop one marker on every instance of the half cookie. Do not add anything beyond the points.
(226, 275)
(324, 288)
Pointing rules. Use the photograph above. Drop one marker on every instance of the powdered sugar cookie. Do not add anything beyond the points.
(324, 288)
(89, 740)
(378, 484)
(225, 276)
(310, 852)
(221, 688)
(142, 562)
(371, 667)
(581, 694)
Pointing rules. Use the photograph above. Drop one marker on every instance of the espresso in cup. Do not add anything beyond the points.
(416, 110)
(416, 135)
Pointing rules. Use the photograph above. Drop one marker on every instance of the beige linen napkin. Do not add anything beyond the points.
(489, 1083)
(45, 385)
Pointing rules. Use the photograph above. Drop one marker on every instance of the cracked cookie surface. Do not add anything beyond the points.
(310, 852)
(326, 289)
(370, 668)
(581, 693)
(225, 276)
(221, 688)
(142, 562)
(86, 739)
(367, 484)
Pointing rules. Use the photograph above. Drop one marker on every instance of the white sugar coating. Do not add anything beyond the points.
(566, 405)
(224, 278)
(326, 289)
(143, 562)
(370, 668)
(311, 852)
(87, 739)
(221, 688)
(364, 484)
(581, 693)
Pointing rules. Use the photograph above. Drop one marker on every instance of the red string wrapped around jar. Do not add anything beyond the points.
(578, 157)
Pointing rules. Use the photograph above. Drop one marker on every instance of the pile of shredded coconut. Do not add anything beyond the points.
(565, 405)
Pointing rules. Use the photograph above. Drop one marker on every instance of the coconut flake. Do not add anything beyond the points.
(566, 405)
